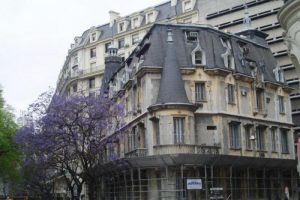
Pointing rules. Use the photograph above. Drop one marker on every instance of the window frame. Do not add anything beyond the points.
(281, 105)
(121, 43)
(260, 138)
(247, 133)
(231, 93)
(106, 46)
(93, 52)
(92, 83)
(135, 39)
(200, 91)
(178, 129)
(273, 133)
(259, 95)
(284, 139)
(235, 135)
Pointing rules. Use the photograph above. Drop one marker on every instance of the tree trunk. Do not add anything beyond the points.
(92, 190)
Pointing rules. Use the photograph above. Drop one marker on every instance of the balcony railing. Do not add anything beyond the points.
(186, 149)
(139, 152)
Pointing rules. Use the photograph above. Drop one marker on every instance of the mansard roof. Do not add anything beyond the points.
(164, 10)
(210, 41)
(156, 51)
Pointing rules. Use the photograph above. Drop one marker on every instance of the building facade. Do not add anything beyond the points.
(220, 112)
(201, 105)
(84, 66)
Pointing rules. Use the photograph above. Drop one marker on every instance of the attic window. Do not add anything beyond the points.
(191, 36)
(170, 35)
(198, 57)
(93, 37)
(135, 22)
(150, 17)
(121, 27)
(227, 55)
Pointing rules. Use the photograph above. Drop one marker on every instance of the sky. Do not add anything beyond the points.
(35, 36)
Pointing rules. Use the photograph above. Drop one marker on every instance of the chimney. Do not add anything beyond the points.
(173, 2)
(113, 16)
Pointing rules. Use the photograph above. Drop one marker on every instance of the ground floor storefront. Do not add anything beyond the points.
(236, 179)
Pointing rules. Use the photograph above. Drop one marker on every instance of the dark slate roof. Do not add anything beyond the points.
(171, 85)
(165, 11)
(155, 50)
(210, 42)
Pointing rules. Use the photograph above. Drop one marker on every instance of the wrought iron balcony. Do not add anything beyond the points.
(186, 149)
(139, 152)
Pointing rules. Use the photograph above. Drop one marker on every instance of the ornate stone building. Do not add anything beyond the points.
(204, 105)
(216, 109)
(84, 66)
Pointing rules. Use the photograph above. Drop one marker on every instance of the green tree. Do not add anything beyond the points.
(9, 154)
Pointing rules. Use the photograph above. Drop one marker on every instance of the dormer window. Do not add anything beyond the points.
(135, 22)
(191, 36)
(227, 55)
(93, 37)
(198, 56)
(150, 17)
(121, 27)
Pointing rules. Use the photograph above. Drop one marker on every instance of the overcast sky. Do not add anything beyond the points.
(35, 36)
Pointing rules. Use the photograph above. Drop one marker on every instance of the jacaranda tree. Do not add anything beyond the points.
(69, 134)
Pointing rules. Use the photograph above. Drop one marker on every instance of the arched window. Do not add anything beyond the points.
(198, 57)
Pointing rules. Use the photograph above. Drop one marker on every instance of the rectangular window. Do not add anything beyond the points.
(93, 53)
(284, 141)
(200, 91)
(107, 46)
(156, 131)
(198, 58)
(121, 43)
(121, 27)
(281, 104)
(235, 139)
(260, 138)
(259, 100)
(273, 139)
(93, 37)
(248, 137)
(135, 39)
(231, 93)
(178, 130)
(92, 83)
(135, 22)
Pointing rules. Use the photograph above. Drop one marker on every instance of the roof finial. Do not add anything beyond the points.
(247, 23)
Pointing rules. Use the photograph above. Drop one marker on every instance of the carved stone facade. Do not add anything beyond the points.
(231, 127)
(289, 18)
